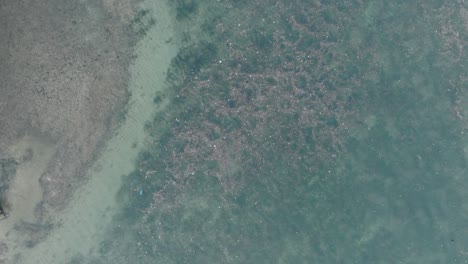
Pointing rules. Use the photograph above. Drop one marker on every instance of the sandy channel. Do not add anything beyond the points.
(79, 228)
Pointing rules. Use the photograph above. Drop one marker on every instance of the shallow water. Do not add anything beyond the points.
(287, 132)
(378, 178)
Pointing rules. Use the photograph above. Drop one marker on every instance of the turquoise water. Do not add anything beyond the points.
(304, 132)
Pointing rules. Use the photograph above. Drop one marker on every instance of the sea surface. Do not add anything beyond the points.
(274, 131)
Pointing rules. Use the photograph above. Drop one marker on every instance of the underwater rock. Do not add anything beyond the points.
(7, 172)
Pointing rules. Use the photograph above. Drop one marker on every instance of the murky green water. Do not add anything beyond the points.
(304, 132)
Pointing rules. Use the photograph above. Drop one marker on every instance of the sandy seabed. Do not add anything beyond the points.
(76, 230)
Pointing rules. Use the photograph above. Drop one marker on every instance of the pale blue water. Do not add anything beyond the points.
(306, 132)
